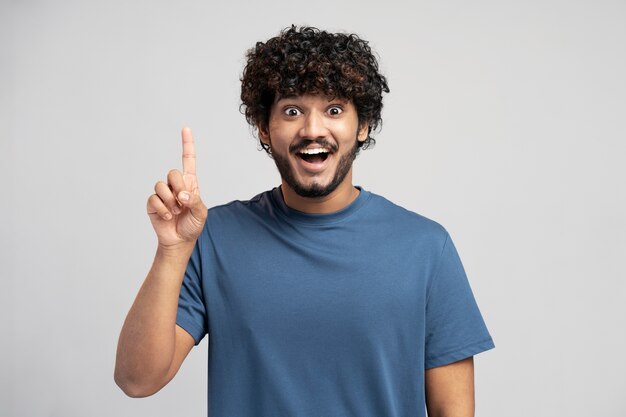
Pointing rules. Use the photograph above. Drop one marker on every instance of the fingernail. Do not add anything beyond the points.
(176, 210)
(184, 196)
(168, 216)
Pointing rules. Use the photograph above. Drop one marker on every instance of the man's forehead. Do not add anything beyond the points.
(311, 96)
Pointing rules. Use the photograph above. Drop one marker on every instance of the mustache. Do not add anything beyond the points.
(303, 144)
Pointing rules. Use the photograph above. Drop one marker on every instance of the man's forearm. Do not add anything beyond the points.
(148, 338)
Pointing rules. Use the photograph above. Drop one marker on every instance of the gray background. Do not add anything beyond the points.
(505, 123)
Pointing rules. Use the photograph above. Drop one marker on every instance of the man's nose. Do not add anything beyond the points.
(314, 126)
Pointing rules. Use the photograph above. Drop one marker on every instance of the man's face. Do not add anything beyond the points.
(313, 141)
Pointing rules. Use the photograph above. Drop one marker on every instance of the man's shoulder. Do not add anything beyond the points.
(235, 205)
(237, 210)
(237, 218)
(402, 218)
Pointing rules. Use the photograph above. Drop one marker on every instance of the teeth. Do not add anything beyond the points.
(314, 151)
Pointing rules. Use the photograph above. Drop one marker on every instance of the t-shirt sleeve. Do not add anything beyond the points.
(192, 315)
(455, 329)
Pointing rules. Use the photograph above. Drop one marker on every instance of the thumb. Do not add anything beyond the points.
(194, 203)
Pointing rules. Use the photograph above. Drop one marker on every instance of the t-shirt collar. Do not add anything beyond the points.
(318, 219)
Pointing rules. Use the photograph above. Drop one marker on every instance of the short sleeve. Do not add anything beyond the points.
(455, 329)
(191, 314)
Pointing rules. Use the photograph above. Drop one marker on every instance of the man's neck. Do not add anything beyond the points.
(340, 198)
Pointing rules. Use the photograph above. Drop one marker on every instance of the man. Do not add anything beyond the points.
(320, 298)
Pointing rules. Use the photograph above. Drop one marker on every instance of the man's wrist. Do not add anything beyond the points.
(178, 253)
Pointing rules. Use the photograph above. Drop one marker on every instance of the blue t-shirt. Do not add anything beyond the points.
(336, 314)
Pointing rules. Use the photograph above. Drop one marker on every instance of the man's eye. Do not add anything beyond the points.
(292, 111)
(335, 110)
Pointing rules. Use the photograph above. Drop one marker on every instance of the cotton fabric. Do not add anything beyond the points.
(334, 314)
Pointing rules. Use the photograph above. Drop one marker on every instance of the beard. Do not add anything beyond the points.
(316, 190)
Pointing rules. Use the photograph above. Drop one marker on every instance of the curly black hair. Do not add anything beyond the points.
(307, 60)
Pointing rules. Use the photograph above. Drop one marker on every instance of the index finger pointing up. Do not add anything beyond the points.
(189, 152)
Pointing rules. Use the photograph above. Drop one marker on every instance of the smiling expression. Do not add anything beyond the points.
(314, 141)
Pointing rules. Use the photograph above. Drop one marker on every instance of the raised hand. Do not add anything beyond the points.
(175, 209)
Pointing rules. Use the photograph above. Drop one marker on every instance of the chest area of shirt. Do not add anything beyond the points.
(311, 296)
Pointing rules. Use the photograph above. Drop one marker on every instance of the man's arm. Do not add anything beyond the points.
(450, 389)
(151, 346)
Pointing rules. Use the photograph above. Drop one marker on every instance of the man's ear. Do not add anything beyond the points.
(363, 132)
(264, 134)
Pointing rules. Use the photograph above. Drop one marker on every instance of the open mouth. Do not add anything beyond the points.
(314, 155)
